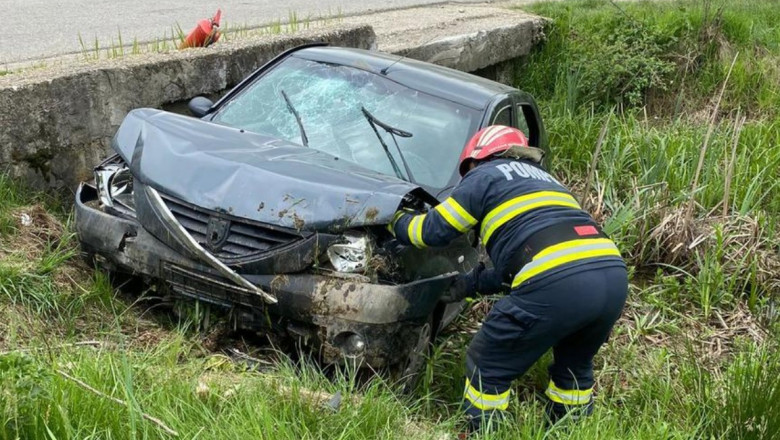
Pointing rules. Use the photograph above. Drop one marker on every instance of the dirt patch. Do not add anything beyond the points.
(35, 231)
(372, 213)
(36, 234)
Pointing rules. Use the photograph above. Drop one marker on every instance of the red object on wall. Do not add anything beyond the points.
(205, 33)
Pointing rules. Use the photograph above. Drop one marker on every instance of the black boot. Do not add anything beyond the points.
(558, 411)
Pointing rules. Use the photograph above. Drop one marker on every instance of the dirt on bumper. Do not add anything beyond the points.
(321, 310)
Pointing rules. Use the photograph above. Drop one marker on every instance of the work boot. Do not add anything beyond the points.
(558, 411)
(489, 421)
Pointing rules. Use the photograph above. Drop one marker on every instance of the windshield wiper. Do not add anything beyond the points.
(374, 122)
(290, 107)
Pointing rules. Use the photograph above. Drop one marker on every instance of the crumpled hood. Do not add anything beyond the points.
(254, 176)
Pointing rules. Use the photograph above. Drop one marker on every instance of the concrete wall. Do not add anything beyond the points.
(56, 123)
(478, 51)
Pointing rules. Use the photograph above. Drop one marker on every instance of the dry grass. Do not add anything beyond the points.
(35, 230)
(738, 240)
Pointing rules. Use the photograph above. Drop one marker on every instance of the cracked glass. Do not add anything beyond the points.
(329, 98)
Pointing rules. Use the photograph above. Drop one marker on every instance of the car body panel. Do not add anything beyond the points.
(253, 176)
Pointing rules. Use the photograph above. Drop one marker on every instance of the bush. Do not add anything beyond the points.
(670, 56)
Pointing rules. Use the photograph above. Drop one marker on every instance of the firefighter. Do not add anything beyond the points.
(565, 279)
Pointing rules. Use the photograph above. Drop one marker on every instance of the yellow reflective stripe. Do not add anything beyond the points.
(485, 401)
(455, 215)
(470, 220)
(569, 397)
(415, 230)
(510, 209)
(396, 217)
(563, 253)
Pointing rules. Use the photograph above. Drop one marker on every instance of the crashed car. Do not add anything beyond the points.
(273, 202)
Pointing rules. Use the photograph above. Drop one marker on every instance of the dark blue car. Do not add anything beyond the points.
(273, 202)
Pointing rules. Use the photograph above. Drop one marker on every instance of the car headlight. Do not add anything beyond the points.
(121, 183)
(114, 183)
(352, 255)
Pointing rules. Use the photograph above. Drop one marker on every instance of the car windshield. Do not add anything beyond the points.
(329, 98)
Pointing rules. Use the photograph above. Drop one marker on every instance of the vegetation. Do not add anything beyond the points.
(694, 356)
(117, 48)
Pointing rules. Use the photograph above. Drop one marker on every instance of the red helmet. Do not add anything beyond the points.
(496, 140)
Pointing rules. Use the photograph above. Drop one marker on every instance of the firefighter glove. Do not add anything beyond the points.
(465, 285)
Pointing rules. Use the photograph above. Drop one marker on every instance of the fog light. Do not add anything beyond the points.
(350, 344)
(355, 344)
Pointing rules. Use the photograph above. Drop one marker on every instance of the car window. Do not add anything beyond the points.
(504, 117)
(521, 122)
(329, 97)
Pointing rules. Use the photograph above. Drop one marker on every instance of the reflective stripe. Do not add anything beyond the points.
(396, 217)
(563, 253)
(485, 401)
(520, 205)
(569, 397)
(482, 142)
(415, 231)
(455, 215)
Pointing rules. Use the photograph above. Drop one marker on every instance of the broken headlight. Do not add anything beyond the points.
(114, 184)
(352, 255)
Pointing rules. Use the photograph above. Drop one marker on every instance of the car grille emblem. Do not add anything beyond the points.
(217, 232)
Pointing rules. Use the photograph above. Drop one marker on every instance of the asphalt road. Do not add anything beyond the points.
(44, 28)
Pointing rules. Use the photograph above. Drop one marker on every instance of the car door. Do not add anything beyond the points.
(526, 118)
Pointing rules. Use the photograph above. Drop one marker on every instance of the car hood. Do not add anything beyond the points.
(254, 176)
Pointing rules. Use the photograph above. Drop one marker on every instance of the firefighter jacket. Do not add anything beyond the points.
(530, 224)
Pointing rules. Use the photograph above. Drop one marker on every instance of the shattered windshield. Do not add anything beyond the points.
(329, 98)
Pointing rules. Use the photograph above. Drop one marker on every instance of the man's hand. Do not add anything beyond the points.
(400, 213)
(465, 285)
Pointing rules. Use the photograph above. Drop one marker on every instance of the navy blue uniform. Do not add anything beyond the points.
(568, 282)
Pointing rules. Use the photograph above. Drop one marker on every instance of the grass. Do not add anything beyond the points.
(694, 356)
(116, 47)
(645, 173)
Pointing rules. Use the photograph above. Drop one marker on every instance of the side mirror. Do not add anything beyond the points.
(200, 106)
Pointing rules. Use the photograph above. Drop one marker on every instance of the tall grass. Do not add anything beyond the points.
(660, 66)
(671, 55)
(669, 396)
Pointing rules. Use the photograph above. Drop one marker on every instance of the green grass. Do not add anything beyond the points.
(660, 66)
(601, 54)
(694, 356)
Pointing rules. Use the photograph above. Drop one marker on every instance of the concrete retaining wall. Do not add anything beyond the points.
(479, 50)
(56, 124)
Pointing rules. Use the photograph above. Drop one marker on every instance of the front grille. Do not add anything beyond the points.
(208, 288)
(244, 238)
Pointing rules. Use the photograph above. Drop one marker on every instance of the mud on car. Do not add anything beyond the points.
(273, 202)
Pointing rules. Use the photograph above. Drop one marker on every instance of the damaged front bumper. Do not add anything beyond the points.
(342, 317)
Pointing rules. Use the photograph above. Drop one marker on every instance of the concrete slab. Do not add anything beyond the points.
(408, 30)
(482, 38)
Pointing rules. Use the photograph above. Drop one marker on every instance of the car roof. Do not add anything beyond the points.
(454, 85)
